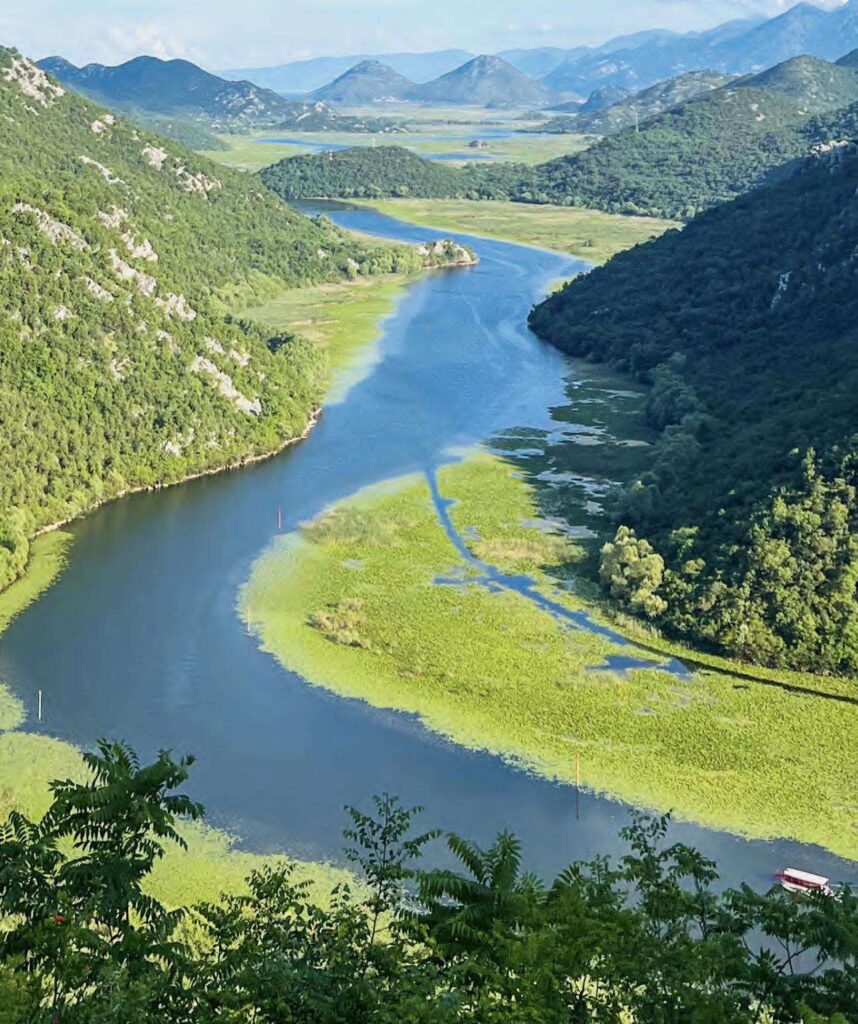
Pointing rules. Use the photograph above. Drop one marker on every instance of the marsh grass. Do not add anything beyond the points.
(588, 234)
(493, 671)
(344, 319)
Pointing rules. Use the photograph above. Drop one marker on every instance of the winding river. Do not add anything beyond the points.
(139, 638)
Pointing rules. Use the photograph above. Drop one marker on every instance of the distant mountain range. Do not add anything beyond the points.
(304, 76)
(629, 110)
(484, 81)
(631, 62)
(179, 89)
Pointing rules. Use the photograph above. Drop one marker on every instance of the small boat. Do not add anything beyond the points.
(803, 883)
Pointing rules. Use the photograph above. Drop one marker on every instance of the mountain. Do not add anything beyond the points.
(367, 82)
(744, 323)
(647, 103)
(120, 256)
(170, 87)
(484, 81)
(176, 97)
(850, 60)
(601, 99)
(734, 48)
(540, 61)
(813, 83)
(305, 76)
(700, 153)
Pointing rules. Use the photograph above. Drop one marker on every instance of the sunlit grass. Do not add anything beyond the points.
(493, 671)
(343, 318)
(589, 234)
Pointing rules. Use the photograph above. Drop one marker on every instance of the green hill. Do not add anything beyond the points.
(694, 156)
(814, 84)
(362, 173)
(632, 110)
(119, 255)
(744, 323)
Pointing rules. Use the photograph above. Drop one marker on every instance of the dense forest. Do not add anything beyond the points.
(744, 323)
(120, 256)
(647, 940)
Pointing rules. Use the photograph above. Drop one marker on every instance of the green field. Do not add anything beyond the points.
(353, 603)
(252, 153)
(590, 234)
(344, 319)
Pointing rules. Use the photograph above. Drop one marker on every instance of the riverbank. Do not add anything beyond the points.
(344, 319)
(374, 600)
(587, 234)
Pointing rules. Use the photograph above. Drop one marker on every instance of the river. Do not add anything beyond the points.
(139, 639)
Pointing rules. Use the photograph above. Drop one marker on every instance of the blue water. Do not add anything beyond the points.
(140, 640)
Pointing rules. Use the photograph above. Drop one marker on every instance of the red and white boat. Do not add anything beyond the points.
(803, 883)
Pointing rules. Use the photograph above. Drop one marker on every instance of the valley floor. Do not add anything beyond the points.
(588, 234)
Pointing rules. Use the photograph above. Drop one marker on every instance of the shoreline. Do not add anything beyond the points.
(244, 461)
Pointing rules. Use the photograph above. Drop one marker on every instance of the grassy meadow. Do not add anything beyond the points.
(372, 600)
(343, 318)
(251, 152)
(588, 234)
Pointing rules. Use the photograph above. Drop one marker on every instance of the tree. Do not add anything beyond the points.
(633, 572)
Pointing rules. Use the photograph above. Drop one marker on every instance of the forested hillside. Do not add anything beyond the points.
(119, 255)
(745, 325)
(362, 172)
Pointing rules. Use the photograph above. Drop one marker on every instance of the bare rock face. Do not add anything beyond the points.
(447, 253)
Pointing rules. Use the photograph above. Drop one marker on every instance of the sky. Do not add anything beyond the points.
(254, 33)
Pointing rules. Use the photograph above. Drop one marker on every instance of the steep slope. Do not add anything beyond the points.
(119, 253)
(170, 87)
(485, 81)
(744, 322)
(367, 82)
(813, 83)
(693, 156)
(633, 110)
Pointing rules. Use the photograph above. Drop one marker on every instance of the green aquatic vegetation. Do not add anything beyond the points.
(589, 234)
(342, 318)
(492, 670)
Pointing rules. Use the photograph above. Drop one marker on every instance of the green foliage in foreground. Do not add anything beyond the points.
(744, 323)
(648, 940)
(119, 255)
(373, 601)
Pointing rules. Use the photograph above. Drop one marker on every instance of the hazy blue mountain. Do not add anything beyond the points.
(485, 81)
(367, 82)
(539, 62)
(304, 76)
(737, 47)
(170, 87)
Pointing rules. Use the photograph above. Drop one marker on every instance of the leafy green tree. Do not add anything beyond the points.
(633, 572)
